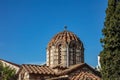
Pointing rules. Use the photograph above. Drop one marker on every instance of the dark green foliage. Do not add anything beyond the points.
(6, 73)
(110, 56)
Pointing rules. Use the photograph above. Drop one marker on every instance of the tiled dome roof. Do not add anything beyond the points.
(65, 36)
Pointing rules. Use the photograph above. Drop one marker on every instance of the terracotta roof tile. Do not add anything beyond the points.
(85, 76)
(37, 69)
(72, 68)
(65, 36)
(76, 67)
(82, 75)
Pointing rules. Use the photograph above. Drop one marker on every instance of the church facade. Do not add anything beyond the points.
(64, 61)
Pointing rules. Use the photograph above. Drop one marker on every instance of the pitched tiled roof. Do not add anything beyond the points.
(77, 67)
(72, 68)
(85, 76)
(45, 70)
(37, 69)
(10, 63)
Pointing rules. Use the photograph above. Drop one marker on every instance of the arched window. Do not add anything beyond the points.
(74, 53)
(59, 54)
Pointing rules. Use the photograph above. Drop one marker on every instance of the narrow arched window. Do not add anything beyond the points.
(74, 53)
(59, 54)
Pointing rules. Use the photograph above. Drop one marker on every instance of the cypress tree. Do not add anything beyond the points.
(110, 55)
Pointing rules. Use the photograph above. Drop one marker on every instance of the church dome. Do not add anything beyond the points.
(65, 49)
(65, 37)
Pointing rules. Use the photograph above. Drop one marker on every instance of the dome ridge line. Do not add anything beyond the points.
(66, 36)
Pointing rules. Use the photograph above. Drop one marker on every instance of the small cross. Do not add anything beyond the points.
(65, 27)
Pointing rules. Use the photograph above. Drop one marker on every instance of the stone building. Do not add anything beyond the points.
(12, 65)
(80, 71)
(64, 61)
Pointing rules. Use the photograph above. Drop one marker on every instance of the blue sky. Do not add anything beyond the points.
(26, 27)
